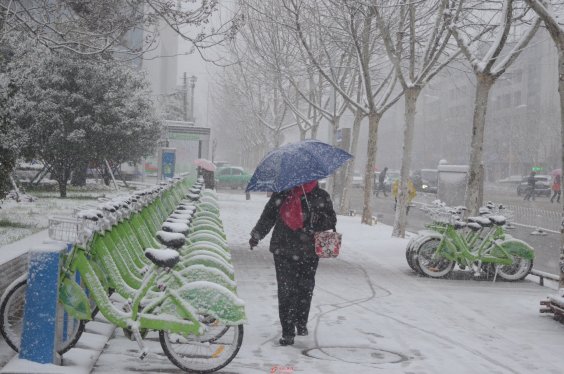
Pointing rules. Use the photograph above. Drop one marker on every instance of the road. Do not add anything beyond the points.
(539, 213)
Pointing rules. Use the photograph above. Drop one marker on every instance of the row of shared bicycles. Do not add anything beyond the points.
(479, 244)
(155, 264)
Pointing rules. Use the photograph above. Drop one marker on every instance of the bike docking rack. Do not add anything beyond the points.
(156, 260)
(480, 244)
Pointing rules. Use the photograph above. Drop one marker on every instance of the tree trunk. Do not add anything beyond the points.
(331, 180)
(560, 46)
(373, 122)
(79, 174)
(62, 179)
(400, 219)
(475, 179)
(314, 129)
(345, 203)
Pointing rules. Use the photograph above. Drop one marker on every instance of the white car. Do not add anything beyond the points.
(358, 180)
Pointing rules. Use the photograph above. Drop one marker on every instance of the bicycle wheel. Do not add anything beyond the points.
(430, 264)
(409, 252)
(203, 354)
(12, 313)
(518, 270)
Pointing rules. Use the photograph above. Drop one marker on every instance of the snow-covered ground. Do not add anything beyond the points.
(371, 313)
(33, 216)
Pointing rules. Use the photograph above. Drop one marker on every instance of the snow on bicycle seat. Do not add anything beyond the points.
(459, 225)
(91, 214)
(186, 207)
(182, 212)
(171, 239)
(181, 228)
(484, 210)
(165, 258)
(178, 220)
(193, 196)
(474, 226)
(186, 216)
(482, 221)
(498, 220)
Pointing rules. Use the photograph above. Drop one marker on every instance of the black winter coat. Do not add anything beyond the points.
(287, 242)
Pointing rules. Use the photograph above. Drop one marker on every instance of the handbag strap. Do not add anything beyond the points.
(311, 213)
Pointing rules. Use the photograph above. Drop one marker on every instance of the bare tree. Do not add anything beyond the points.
(489, 59)
(351, 23)
(104, 26)
(416, 38)
(547, 11)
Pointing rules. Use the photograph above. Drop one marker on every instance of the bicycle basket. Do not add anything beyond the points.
(65, 229)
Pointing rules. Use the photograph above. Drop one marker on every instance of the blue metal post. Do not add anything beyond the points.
(39, 331)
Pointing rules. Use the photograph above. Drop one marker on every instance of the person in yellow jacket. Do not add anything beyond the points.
(411, 192)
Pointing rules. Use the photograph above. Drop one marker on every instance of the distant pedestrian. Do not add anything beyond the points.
(531, 181)
(295, 215)
(381, 180)
(411, 193)
(556, 189)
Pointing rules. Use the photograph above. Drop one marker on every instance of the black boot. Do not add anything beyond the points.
(286, 340)
(301, 330)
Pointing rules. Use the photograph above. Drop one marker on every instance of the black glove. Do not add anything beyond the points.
(253, 242)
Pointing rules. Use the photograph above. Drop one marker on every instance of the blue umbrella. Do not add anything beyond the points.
(295, 164)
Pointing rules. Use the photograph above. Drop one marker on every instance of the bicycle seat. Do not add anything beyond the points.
(474, 226)
(498, 220)
(178, 220)
(183, 212)
(188, 204)
(484, 210)
(181, 228)
(459, 225)
(171, 239)
(187, 216)
(193, 196)
(165, 258)
(482, 221)
(90, 214)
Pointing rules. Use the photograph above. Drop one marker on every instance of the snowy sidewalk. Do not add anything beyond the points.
(371, 313)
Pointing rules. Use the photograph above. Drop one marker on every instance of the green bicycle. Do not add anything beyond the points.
(199, 324)
(511, 258)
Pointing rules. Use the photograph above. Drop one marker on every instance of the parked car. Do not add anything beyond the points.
(426, 180)
(231, 177)
(542, 185)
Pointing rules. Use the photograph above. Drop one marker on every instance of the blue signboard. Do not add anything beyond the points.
(168, 161)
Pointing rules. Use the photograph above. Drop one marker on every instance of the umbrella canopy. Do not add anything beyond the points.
(205, 164)
(295, 164)
(556, 172)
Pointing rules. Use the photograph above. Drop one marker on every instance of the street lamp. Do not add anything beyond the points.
(193, 80)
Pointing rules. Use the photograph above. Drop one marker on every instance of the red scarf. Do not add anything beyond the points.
(291, 208)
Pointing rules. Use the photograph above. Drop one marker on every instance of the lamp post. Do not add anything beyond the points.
(193, 80)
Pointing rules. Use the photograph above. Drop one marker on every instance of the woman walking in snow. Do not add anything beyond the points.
(295, 215)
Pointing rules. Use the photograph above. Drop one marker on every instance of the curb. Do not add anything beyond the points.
(80, 359)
